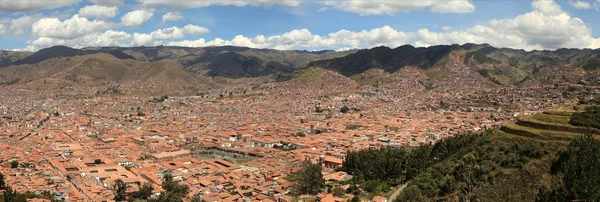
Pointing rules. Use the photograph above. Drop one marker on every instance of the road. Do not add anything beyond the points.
(396, 193)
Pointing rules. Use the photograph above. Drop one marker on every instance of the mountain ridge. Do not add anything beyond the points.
(470, 65)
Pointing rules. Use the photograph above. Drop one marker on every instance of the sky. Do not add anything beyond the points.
(299, 24)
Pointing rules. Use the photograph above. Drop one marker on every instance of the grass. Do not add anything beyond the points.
(542, 134)
(515, 174)
(311, 75)
(549, 118)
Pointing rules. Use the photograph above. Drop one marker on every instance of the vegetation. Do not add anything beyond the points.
(339, 192)
(2, 182)
(310, 179)
(174, 192)
(589, 118)
(377, 169)
(120, 188)
(291, 177)
(498, 166)
(579, 166)
(345, 109)
(144, 193)
(548, 118)
(14, 164)
(9, 195)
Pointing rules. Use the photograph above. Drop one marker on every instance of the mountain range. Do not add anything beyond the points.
(194, 69)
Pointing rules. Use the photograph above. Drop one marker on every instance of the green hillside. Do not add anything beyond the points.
(523, 160)
(514, 163)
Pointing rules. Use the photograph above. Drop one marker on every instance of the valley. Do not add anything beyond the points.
(233, 123)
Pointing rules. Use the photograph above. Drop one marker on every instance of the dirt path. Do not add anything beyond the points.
(396, 193)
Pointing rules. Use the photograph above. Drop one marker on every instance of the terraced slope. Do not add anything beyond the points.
(550, 125)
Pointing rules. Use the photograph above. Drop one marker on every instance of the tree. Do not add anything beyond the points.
(338, 191)
(197, 198)
(14, 164)
(579, 166)
(412, 193)
(345, 109)
(119, 187)
(174, 192)
(2, 182)
(310, 179)
(144, 192)
(355, 199)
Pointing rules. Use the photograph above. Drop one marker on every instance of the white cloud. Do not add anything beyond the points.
(546, 27)
(108, 2)
(141, 39)
(136, 18)
(167, 33)
(195, 30)
(547, 7)
(32, 5)
(387, 7)
(206, 3)
(2, 29)
(323, 9)
(303, 38)
(172, 16)
(107, 38)
(580, 4)
(156, 37)
(21, 25)
(98, 12)
(454, 6)
(71, 28)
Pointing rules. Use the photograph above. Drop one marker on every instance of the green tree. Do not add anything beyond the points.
(339, 192)
(310, 179)
(413, 194)
(12, 196)
(579, 166)
(2, 182)
(119, 188)
(345, 109)
(174, 192)
(14, 164)
(144, 192)
(589, 118)
(197, 198)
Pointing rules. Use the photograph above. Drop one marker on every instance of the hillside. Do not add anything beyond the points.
(105, 71)
(549, 156)
(507, 164)
(445, 68)
(222, 61)
(501, 66)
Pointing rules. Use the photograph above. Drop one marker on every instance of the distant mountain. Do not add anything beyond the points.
(222, 61)
(386, 59)
(444, 66)
(64, 51)
(10, 57)
(102, 69)
(501, 66)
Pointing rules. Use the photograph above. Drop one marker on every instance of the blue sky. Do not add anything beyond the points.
(300, 24)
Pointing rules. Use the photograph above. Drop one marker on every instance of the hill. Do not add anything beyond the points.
(222, 61)
(105, 71)
(543, 159)
(445, 68)
(502, 66)
(506, 164)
